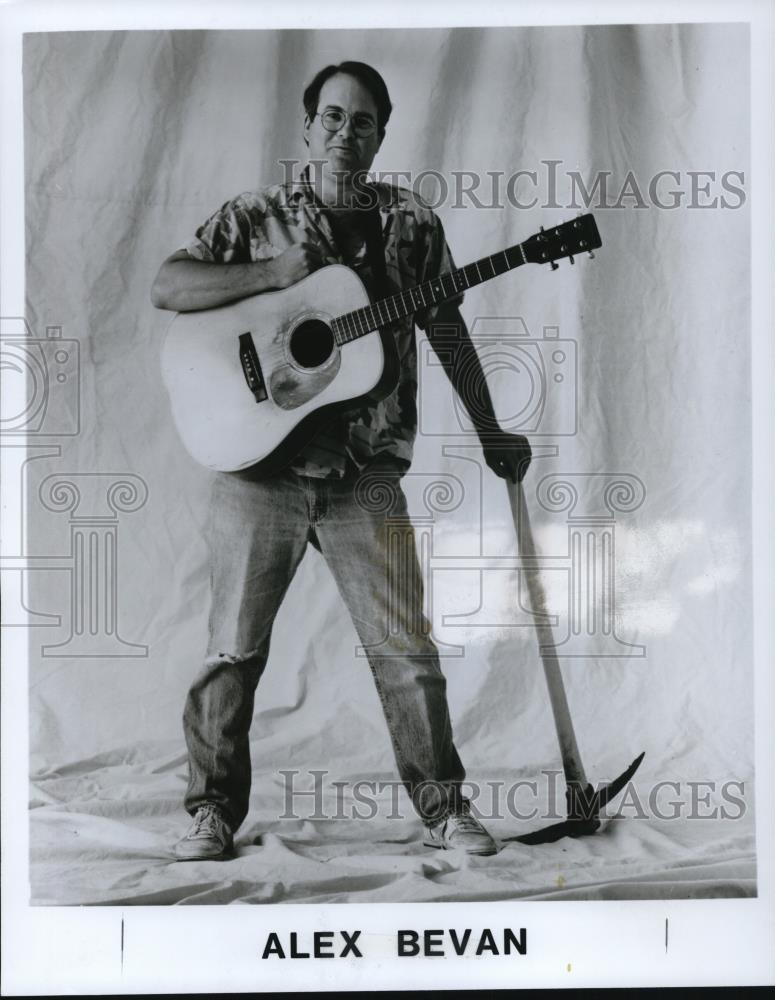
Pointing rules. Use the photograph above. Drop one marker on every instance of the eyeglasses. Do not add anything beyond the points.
(332, 119)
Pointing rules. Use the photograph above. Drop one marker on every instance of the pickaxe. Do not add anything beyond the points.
(583, 803)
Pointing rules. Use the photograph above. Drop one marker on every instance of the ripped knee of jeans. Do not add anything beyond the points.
(220, 658)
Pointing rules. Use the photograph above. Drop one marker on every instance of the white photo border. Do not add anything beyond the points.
(63, 950)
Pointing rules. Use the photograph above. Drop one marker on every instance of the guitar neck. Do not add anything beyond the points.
(357, 324)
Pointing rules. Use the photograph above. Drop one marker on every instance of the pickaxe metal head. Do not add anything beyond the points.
(584, 805)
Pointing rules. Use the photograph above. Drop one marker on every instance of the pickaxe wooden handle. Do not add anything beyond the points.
(571, 758)
(583, 802)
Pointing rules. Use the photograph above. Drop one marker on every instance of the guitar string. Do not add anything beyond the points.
(356, 324)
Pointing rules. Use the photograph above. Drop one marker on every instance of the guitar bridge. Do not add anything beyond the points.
(251, 368)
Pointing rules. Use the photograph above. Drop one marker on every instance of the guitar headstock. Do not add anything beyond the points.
(580, 235)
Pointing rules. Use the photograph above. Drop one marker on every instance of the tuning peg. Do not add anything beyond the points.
(570, 258)
(554, 265)
(591, 254)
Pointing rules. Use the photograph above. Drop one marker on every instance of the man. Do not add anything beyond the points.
(260, 525)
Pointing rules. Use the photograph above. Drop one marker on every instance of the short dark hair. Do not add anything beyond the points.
(366, 75)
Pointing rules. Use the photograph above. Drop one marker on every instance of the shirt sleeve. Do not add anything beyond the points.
(435, 259)
(225, 237)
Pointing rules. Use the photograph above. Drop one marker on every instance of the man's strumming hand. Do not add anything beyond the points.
(293, 264)
(185, 283)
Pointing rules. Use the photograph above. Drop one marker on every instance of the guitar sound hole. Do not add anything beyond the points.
(312, 343)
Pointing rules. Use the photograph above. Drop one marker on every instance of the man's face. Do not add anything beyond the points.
(346, 153)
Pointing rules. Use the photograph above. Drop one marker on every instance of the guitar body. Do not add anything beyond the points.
(250, 383)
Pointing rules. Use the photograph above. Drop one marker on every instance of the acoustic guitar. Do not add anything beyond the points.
(250, 382)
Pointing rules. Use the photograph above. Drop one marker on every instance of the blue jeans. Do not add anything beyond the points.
(258, 532)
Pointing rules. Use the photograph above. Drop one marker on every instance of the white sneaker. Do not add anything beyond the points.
(209, 837)
(461, 832)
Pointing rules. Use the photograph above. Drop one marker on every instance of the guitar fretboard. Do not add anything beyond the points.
(353, 325)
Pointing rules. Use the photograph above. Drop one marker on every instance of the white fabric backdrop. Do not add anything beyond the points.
(132, 140)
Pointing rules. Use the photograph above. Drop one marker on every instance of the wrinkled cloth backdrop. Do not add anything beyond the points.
(132, 140)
